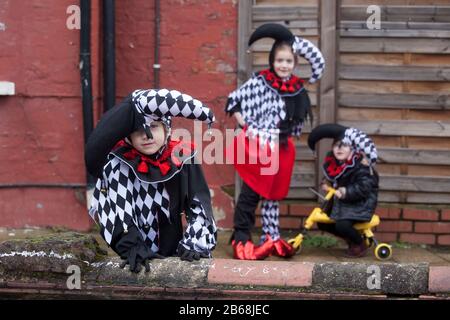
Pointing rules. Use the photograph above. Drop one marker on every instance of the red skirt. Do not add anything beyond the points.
(267, 172)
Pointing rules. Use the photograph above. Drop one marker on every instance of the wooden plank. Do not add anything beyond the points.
(414, 197)
(287, 2)
(414, 45)
(270, 12)
(403, 128)
(387, 141)
(428, 143)
(374, 86)
(294, 24)
(391, 59)
(244, 61)
(381, 114)
(399, 13)
(404, 73)
(304, 180)
(414, 184)
(393, 33)
(329, 44)
(395, 59)
(394, 100)
(303, 153)
(389, 169)
(428, 198)
(391, 2)
(414, 156)
(428, 170)
(398, 25)
(372, 114)
(300, 193)
(305, 167)
(428, 115)
(244, 29)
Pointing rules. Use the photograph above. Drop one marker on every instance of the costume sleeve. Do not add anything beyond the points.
(365, 184)
(310, 52)
(235, 108)
(235, 97)
(201, 232)
(297, 130)
(116, 124)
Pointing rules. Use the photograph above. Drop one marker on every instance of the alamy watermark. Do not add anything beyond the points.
(229, 146)
(74, 280)
(73, 21)
(374, 280)
(373, 22)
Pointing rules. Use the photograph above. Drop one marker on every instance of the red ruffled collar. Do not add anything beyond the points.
(163, 163)
(292, 85)
(334, 169)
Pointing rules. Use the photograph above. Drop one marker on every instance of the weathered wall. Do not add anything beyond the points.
(41, 129)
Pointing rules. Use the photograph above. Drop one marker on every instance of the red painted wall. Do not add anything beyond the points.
(41, 129)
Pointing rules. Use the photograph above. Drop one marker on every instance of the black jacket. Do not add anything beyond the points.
(361, 184)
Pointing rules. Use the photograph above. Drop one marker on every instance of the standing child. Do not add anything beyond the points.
(270, 107)
(351, 173)
(146, 180)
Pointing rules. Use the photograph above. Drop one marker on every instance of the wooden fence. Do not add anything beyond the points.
(392, 83)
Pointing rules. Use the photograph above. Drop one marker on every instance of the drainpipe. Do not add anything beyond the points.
(85, 73)
(86, 85)
(156, 65)
(109, 55)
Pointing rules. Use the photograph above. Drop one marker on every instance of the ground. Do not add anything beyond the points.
(34, 263)
(322, 248)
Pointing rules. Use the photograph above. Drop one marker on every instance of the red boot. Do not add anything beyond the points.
(283, 249)
(244, 251)
(238, 250)
(265, 249)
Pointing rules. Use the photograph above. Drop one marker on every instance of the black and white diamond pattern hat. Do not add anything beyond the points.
(162, 104)
(351, 136)
(300, 46)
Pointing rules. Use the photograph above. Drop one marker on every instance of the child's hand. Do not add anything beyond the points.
(190, 255)
(324, 187)
(239, 119)
(340, 193)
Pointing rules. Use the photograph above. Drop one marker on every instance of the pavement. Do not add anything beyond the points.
(38, 263)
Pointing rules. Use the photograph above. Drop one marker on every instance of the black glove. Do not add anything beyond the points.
(190, 255)
(139, 256)
(133, 250)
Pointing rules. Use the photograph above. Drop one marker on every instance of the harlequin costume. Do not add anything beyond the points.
(139, 199)
(274, 110)
(359, 178)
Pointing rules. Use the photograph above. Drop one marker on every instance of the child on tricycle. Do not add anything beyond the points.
(351, 183)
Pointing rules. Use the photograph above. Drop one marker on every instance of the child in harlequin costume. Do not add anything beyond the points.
(146, 180)
(349, 168)
(271, 107)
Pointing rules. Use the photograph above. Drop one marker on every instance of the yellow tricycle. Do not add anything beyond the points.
(383, 251)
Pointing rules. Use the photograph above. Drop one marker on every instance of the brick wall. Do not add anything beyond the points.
(408, 224)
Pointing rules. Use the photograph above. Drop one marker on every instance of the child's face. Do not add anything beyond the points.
(284, 62)
(148, 146)
(342, 151)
